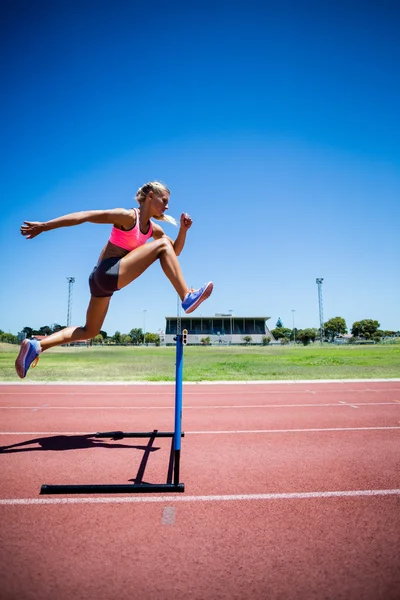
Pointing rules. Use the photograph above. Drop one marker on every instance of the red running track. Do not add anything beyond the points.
(292, 491)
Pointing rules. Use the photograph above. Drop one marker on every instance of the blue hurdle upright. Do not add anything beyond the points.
(173, 484)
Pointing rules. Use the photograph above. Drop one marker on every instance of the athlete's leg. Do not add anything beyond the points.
(136, 262)
(30, 349)
(95, 315)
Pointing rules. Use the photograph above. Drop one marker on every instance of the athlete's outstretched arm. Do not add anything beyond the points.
(114, 216)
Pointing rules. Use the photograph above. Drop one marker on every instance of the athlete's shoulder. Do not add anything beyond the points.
(126, 218)
(157, 230)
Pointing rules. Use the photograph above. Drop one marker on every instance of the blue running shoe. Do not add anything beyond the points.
(194, 298)
(28, 356)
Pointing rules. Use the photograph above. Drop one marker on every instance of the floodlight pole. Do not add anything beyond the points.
(144, 326)
(294, 331)
(319, 281)
(71, 281)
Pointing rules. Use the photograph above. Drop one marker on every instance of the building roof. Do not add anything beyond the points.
(224, 316)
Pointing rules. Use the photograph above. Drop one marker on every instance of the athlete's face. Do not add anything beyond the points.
(159, 203)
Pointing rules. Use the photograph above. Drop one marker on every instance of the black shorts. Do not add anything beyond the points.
(103, 280)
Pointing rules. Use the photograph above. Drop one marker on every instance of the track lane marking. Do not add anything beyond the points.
(338, 404)
(215, 498)
(353, 405)
(219, 432)
(311, 430)
(245, 382)
(18, 392)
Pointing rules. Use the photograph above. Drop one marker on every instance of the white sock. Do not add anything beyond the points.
(38, 347)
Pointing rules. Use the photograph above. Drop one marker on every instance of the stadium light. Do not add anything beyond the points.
(294, 331)
(319, 282)
(144, 326)
(231, 312)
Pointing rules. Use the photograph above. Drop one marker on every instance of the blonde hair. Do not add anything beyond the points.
(157, 187)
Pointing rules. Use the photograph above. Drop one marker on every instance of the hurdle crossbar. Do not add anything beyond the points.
(139, 488)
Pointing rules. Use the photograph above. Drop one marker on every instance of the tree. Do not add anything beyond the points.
(45, 330)
(8, 338)
(98, 339)
(153, 338)
(366, 328)
(334, 327)
(247, 339)
(279, 323)
(307, 335)
(137, 336)
(28, 331)
(388, 333)
(117, 337)
(281, 332)
(103, 334)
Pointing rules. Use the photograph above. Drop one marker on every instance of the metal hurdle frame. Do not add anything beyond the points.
(177, 434)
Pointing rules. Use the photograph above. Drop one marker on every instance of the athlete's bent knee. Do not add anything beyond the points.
(164, 245)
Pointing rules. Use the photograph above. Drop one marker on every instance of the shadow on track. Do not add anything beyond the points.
(57, 443)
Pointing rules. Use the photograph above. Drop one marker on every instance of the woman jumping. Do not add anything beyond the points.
(124, 258)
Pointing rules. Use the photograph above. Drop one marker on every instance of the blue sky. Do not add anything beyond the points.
(276, 127)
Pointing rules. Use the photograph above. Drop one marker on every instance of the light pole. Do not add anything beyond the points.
(294, 331)
(231, 311)
(71, 281)
(144, 325)
(319, 281)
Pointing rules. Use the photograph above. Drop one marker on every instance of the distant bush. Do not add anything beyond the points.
(305, 336)
(153, 338)
(8, 338)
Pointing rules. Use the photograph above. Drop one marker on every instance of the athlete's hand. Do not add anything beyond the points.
(31, 229)
(186, 221)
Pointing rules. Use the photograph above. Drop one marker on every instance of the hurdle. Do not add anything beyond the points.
(173, 484)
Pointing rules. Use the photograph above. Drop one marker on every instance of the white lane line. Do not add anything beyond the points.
(18, 392)
(313, 430)
(338, 404)
(353, 405)
(218, 432)
(36, 408)
(216, 498)
(199, 383)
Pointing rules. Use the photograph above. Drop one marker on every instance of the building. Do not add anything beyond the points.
(221, 329)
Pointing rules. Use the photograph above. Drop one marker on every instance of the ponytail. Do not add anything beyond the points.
(167, 219)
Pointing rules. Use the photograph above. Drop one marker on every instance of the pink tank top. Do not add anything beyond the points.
(131, 239)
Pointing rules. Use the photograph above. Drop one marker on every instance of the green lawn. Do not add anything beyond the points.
(208, 363)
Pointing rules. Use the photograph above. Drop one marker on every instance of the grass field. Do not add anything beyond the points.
(230, 363)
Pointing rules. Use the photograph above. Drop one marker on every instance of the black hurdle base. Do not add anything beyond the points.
(101, 488)
(128, 488)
